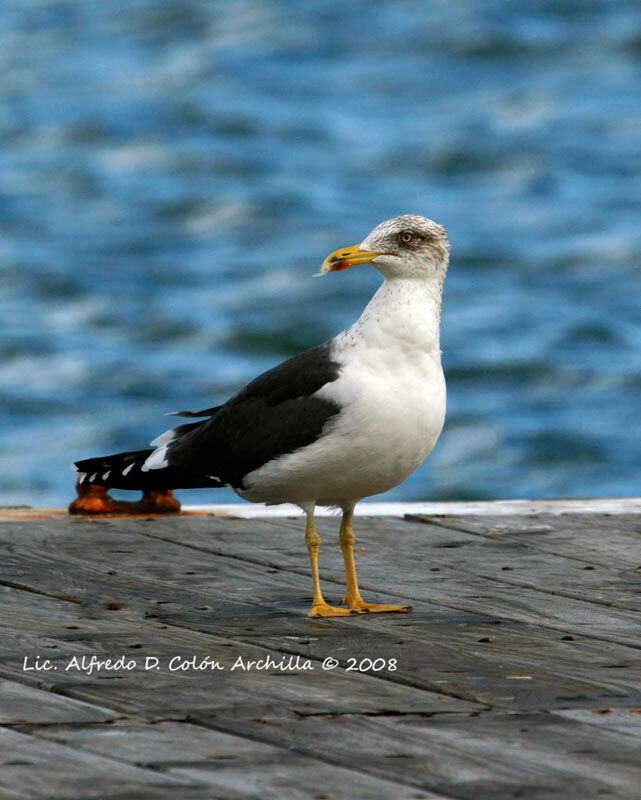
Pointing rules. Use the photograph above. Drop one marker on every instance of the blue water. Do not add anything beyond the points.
(172, 173)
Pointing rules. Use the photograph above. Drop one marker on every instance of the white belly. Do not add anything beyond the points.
(393, 415)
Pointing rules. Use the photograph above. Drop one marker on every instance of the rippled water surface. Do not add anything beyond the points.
(172, 173)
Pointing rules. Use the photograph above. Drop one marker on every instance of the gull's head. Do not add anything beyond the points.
(404, 247)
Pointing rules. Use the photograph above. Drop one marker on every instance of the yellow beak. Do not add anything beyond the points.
(347, 257)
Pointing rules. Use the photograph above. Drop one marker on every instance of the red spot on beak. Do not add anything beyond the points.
(337, 266)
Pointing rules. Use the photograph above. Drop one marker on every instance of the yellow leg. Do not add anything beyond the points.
(353, 597)
(319, 607)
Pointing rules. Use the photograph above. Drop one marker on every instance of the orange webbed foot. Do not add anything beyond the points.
(325, 610)
(376, 608)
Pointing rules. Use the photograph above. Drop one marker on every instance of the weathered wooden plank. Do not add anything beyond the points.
(512, 563)
(166, 692)
(469, 757)
(21, 704)
(400, 567)
(500, 667)
(627, 522)
(87, 582)
(483, 672)
(495, 757)
(229, 763)
(180, 587)
(600, 540)
(477, 680)
(6, 794)
(622, 720)
(51, 770)
(507, 668)
(433, 546)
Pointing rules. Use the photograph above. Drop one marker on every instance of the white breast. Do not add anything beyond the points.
(392, 396)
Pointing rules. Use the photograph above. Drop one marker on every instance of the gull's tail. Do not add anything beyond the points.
(126, 471)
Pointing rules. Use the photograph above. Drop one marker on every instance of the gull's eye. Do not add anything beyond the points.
(406, 237)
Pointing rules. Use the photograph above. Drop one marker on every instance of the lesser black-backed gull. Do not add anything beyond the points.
(345, 420)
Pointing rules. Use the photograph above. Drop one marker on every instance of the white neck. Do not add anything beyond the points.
(405, 312)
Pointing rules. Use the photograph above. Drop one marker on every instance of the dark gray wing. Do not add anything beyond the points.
(273, 415)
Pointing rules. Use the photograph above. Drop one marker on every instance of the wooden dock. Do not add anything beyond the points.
(518, 674)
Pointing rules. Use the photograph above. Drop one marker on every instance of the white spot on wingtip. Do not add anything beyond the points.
(93, 477)
(106, 475)
(157, 460)
(128, 469)
(82, 477)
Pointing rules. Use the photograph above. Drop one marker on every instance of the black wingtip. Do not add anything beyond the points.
(205, 412)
